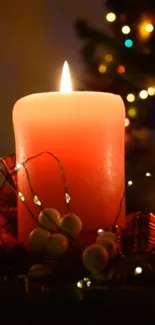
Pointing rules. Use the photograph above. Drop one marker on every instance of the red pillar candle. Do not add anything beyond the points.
(85, 130)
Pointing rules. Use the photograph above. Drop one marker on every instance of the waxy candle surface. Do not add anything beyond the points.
(85, 130)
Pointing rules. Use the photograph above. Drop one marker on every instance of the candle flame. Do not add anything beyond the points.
(65, 86)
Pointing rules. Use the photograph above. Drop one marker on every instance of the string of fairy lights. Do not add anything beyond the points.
(145, 29)
(96, 276)
(67, 196)
(19, 165)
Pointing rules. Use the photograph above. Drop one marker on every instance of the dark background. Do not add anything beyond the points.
(36, 37)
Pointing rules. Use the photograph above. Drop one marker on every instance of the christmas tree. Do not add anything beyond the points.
(123, 60)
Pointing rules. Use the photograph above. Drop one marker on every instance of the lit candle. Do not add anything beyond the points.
(85, 130)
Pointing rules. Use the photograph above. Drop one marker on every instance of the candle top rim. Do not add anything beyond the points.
(58, 93)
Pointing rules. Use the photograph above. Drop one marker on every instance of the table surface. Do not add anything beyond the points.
(121, 305)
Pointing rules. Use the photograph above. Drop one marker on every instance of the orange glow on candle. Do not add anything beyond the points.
(65, 85)
(85, 130)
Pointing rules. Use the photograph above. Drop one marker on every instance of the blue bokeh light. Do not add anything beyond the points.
(128, 42)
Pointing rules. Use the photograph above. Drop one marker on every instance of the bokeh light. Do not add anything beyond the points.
(102, 68)
(121, 69)
(126, 30)
(143, 94)
(151, 91)
(145, 29)
(130, 98)
(148, 174)
(127, 122)
(128, 43)
(138, 270)
(108, 57)
(149, 28)
(132, 112)
(110, 17)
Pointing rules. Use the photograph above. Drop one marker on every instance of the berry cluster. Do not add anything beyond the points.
(52, 237)
(96, 256)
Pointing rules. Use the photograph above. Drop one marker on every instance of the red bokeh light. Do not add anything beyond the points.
(121, 69)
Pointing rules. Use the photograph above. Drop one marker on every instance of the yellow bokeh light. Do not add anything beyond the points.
(132, 112)
(102, 68)
(127, 122)
(110, 17)
(80, 284)
(108, 57)
(126, 30)
(149, 28)
(145, 29)
(143, 94)
(151, 91)
(130, 98)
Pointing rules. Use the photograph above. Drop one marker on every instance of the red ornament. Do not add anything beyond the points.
(8, 197)
(7, 168)
(139, 235)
